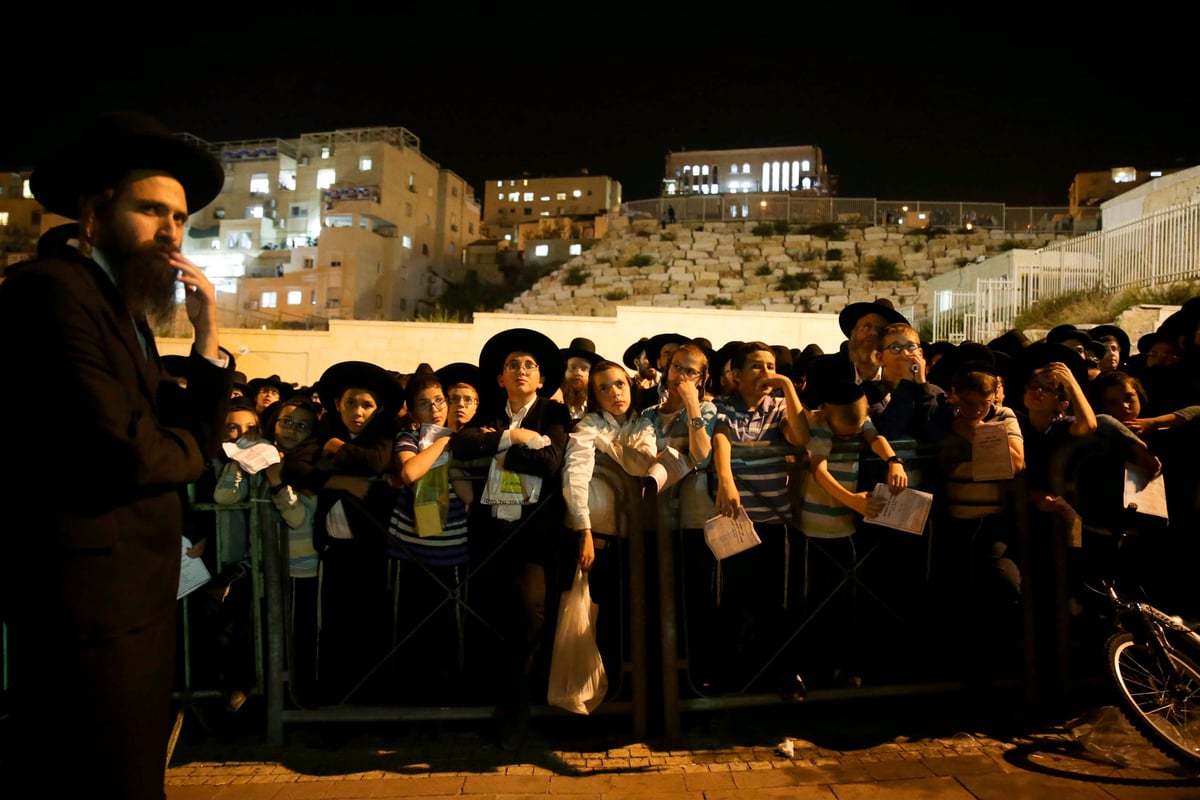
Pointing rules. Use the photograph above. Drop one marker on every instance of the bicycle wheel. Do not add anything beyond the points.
(1160, 698)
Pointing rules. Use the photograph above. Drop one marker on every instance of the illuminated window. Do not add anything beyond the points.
(806, 183)
(1124, 175)
(944, 299)
(746, 168)
(325, 178)
(541, 250)
(545, 198)
(254, 212)
(260, 183)
(785, 181)
(3, 218)
(775, 176)
(364, 163)
(577, 193)
(766, 178)
(561, 196)
(514, 197)
(500, 184)
(733, 211)
(293, 297)
(412, 181)
(544, 214)
(25, 192)
(805, 166)
(325, 152)
(733, 169)
(268, 300)
(1156, 173)
(575, 249)
(406, 241)
(527, 197)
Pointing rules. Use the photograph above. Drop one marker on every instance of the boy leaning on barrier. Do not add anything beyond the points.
(750, 601)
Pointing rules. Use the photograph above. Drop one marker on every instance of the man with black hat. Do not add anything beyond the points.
(578, 359)
(516, 522)
(89, 581)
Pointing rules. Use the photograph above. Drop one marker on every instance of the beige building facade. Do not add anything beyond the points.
(510, 202)
(798, 168)
(347, 224)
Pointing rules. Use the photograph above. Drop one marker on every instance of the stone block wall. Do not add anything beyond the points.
(724, 265)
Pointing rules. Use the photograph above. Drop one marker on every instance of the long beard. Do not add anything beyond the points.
(147, 282)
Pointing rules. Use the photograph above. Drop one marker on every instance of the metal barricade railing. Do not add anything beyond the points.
(627, 492)
(673, 619)
(237, 534)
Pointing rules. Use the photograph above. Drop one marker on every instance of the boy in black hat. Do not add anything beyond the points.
(94, 654)
(516, 522)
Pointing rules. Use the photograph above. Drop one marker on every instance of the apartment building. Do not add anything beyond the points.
(346, 224)
(756, 169)
(510, 202)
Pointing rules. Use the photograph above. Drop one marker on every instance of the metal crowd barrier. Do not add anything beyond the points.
(672, 617)
(627, 492)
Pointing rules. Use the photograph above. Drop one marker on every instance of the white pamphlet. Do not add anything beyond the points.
(669, 467)
(906, 511)
(252, 455)
(192, 572)
(990, 457)
(727, 536)
(1145, 493)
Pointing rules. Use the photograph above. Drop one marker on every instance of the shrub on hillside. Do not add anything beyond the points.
(836, 273)
(576, 276)
(763, 229)
(795, 281)
(884, 269)
(640, 260)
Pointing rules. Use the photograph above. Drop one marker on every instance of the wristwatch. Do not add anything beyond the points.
(697, 422)
(896, 460)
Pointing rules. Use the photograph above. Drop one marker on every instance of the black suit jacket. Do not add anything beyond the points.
(101, 447)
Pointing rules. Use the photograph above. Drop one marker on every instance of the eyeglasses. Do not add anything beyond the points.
(462, 400)
(517, 366)
(430, 405)
(897, 348)
(687, 372)
(292, 425)
(1154, 356)
(1042, 389)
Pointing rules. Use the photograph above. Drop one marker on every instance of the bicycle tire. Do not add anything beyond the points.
(1160, 700)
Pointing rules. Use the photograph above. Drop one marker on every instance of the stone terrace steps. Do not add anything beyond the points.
(724, 265)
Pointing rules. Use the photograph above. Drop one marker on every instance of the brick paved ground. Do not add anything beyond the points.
(895, 750)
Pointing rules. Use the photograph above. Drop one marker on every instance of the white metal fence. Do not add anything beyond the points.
(1160, 249)
(755, 207)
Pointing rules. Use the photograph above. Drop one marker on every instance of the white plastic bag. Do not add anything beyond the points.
(578, 682)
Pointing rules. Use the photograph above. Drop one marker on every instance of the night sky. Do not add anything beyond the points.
(987, 109)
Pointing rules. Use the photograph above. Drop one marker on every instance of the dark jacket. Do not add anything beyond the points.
(105, 441)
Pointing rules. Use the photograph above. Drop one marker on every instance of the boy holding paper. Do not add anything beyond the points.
(981, 452)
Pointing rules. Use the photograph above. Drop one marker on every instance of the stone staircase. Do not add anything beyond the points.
(724, 265)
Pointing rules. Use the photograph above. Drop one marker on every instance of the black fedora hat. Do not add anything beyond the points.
(655, 344)
(281, 386)
(850, 315)
(110, 147)
(344, 375)
(524, 340)
(1100, 331)
(1039, 354)
(580, 347)
(633, 351)
(460, 372)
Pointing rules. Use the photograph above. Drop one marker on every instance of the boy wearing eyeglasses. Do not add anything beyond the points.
(427, 539)
(902, 402)
(514, 532)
